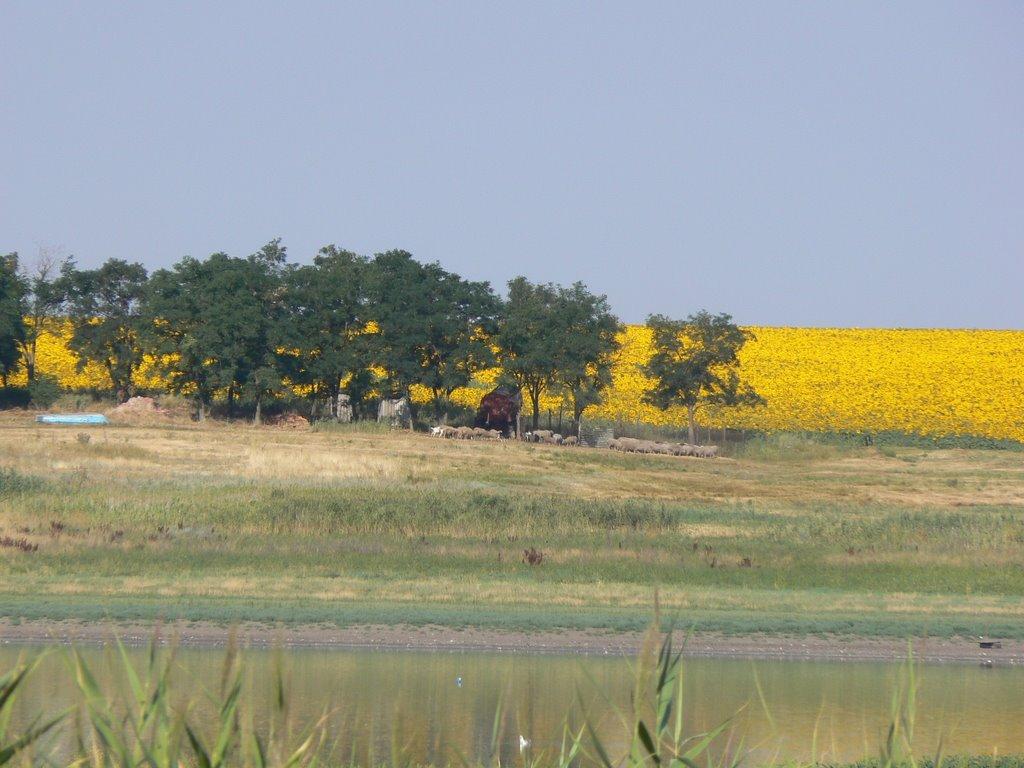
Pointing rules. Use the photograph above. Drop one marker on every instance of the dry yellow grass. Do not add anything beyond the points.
(912, 478)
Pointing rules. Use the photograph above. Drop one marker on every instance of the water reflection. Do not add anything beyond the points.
(381, 705)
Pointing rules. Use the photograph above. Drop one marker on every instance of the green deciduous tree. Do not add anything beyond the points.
(218, 322)
(263, 300)
(457, 334)
(323, 330)
(177, 331)
(397, 287)
(105, 309)
(589, 333)
(529, 339)
(555, 336)
(432, 326)
(732, 392)
(696, 360)
(12, 316)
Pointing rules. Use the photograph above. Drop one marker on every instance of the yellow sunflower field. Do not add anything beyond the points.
(925, 382)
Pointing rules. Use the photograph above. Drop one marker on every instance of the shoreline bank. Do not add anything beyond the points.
(560, 642)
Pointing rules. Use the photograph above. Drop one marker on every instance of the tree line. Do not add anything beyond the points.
(245, 331)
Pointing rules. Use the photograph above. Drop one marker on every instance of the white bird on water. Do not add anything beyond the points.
(523, 743)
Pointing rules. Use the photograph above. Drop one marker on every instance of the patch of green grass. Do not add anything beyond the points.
(907, 440)
(13, 482)
(786, 446)
(378, 535)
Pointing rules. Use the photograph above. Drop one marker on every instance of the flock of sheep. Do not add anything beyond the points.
(465, 433)
(549, 437)
(479, 433)
(626, 444)
(633, 445)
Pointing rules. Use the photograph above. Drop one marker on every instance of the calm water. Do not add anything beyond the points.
(371, 696)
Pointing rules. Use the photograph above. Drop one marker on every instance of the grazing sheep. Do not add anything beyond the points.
(633, 445)
(542, 435)
(570, 441)
(463, 433)
(479, 432)
(493, 434)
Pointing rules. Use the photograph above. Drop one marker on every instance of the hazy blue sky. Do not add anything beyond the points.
(831, 163)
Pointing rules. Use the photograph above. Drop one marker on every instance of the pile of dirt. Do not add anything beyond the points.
(287, 421)
(139, 405)
(144, 410)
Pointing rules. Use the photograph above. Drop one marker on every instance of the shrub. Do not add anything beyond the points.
(44, 390)
(14, 397)
(12, 482)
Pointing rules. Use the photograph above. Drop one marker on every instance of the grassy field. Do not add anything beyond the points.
(346, 525)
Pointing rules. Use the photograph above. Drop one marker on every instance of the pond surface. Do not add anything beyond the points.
(440, 707)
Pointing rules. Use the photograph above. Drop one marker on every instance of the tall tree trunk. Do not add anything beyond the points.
(445, 411)
(692, 422)
(535, 402)
(231, 401)
(258, 417)
(28, 351)
(124, 391)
